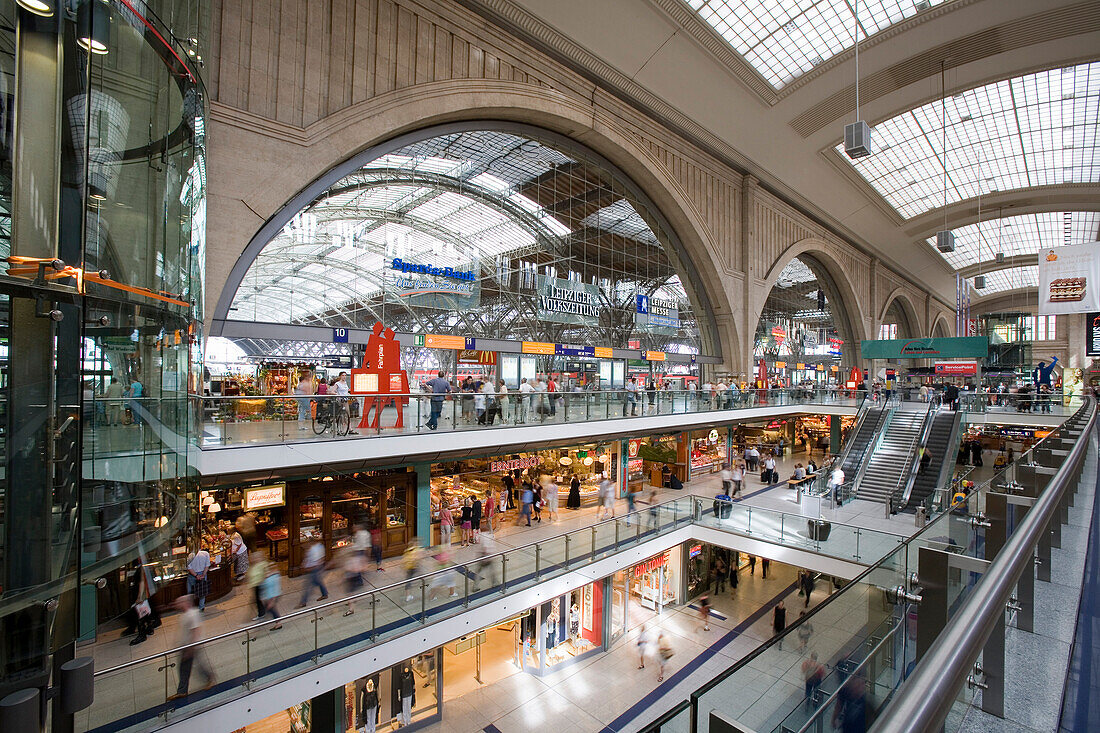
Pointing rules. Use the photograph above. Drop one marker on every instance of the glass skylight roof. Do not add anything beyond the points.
(1034, 130)
(1020, 235)
(1013, 278)
(783, 39)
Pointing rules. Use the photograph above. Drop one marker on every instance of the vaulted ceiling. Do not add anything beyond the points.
(984, 112)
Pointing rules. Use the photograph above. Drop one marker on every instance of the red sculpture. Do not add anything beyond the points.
(381, 380)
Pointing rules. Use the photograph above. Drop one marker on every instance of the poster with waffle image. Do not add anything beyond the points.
(1069, 279)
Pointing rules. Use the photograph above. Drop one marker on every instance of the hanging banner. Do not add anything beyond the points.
(962, 347)
(957, 368)
(1069, 279)
(1092, 334)
(656, 315)
(430, 286)
(566, 301)
(474, 356)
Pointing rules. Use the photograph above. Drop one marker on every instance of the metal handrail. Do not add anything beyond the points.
(924, 702)
(697, 504)
(887, 415)
(910, 474)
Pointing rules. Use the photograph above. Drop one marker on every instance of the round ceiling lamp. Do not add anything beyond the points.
(93, 27)
(565, 461)
(45, 8)
(587, 461)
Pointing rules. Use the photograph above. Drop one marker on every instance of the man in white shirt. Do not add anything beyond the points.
(707, 389)
(190, 621)
(727, 479)
(525, 392)
(538, 399)
(198, 584)
(631, 397)
(769, 466)
(315, 563)
(836, 480)
(752, 457)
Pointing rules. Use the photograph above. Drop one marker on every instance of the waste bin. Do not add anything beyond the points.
(819, 529)
(723, 506)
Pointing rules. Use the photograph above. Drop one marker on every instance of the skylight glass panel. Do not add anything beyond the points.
(1033, 130)
(1020, 235)
(784, 39)
(1014, 278)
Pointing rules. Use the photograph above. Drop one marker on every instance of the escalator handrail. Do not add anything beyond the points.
(910, 474)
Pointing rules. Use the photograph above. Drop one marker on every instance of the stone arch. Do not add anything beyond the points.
(840, 289)
(941, 327)
(908, 313)
(260, 197)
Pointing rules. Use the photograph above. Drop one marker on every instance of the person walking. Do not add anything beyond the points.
(737, 478)
(191, 656)
(440, 388)
(805, 631)
(721, 573)
(490, 510)
(510, 488)
(664, 653)
(752, 564)
(315, 563)
(812, 674)
(504, 403)
(770, 475)
(735, 560)
(704, 612)
(807, 583)
(727, 479)
(527, 498)
(779, 621)
(526, 391)
(303, 390)
(257, 572)
(536, 504)
(653, 509)
(631, 398)
(550, 496)
(376, 546)
(764, 564)
(270, 589)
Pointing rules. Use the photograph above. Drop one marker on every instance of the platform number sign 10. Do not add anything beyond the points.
(339, 335)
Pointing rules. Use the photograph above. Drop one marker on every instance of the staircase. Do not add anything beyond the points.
(936, 447)
(890, 460)
(861, 440)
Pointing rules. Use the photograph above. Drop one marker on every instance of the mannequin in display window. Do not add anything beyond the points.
(574, 622)
(405, 690)
(368, 707)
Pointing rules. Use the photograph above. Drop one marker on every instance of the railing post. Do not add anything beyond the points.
(466, 587)
(616, 534)
(857, 544)
(568, 538)
(423, 602)
(503, 574)
(538, 562)
(373, 617)
(593, 542)
(316, 632)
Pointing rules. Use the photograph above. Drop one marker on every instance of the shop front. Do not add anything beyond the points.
(708, 451)
(454, 482)
(641, 592)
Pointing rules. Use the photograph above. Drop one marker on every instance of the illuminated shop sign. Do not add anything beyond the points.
(515, 464)
(656, 313)
(694, 551)
(408, 267)
(653, 563)
(265, 497)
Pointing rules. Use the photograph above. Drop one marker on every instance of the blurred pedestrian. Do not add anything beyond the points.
(752, 564)
(764, 564)
(190, 656)
(314, 563)
(812, 674)
(704, 612)
(805, 631)
(354, 566)
(270, 589)
(446, 525)
(664, 653)
(198, 582)
(376, 546)
(779, 621)
(643, 641)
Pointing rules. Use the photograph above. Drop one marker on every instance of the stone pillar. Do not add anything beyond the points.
(747, 332)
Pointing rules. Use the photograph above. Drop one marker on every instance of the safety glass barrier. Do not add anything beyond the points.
(269, 419)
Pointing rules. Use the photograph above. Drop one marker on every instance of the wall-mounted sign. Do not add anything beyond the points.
(339, 335)
(694, 551)
(514, 464)
(473, 356)
(602, 352)
(655, 356)
(566, 301)
(780, 365)
(712, 436)
(799, 365)
(538, 347)
(656, 314)
(432, 270)
(821, 367)
(653, 563)
(961, 347)
(439, 341)
(574, 350)
(1092, 334)
(264, 497)
(632, 448)
(363, 383)
(957, 368)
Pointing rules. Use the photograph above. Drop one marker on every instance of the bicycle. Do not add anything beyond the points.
(330, 414)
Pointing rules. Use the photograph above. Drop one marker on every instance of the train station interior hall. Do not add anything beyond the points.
(496, 366)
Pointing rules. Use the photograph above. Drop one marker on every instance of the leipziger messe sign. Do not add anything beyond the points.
(959, 347)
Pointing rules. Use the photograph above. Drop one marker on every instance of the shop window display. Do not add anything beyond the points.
(708, 451)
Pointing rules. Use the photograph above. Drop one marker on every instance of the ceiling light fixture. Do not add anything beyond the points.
(93, 26)
(945, 239)
(857, 136)
(45, 8)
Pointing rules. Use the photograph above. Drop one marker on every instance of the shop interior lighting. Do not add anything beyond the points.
(1037, 130)
(565, 461)
(207, 500)
(587, 461)
(93, 26)
(784, 39)
(45, 8)
(163, 520)
(215, 508)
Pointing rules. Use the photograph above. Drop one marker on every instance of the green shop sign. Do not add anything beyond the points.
(962, 347)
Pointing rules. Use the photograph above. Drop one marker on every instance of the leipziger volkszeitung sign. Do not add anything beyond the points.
(566, 301)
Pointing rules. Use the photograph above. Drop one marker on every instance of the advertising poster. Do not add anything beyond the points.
(1069, 279)
(656, 315)
(1092, 334)
(566, 301)
(430, 286)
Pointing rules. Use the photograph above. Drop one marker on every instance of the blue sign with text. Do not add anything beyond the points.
(339, 335)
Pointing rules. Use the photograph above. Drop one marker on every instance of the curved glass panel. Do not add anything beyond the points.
(1033, 130)
(783, 40)
(1013, 278)
(483, 233)
(1020, 235)
(798, 320)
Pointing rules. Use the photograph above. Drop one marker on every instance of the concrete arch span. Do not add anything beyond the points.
(257, 198)
(907, 310)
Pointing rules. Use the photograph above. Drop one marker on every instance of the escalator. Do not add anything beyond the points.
(941, 446)
(870, 421)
